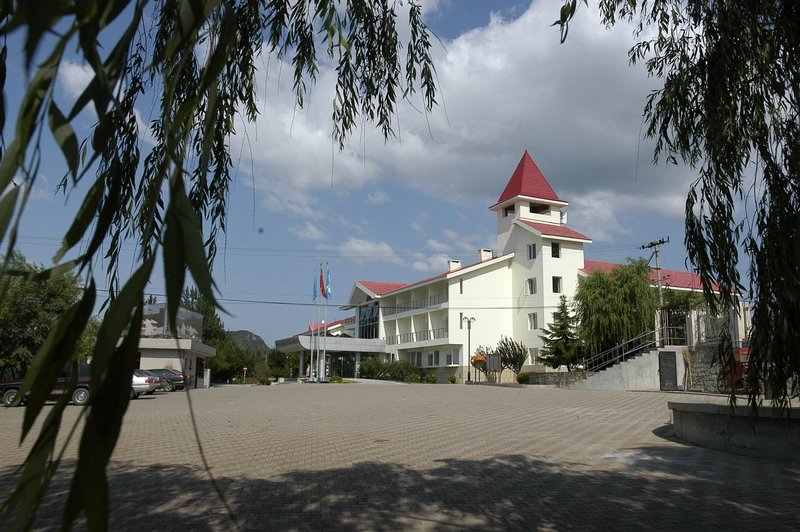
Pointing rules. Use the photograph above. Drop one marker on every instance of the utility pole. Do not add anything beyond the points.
(654, 245)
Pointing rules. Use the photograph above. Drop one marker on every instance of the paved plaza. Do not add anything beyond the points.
(385, 456)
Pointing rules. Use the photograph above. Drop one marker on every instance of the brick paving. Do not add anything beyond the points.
(379, 456)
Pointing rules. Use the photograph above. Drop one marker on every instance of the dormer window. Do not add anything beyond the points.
(509, 211)
(538, 208)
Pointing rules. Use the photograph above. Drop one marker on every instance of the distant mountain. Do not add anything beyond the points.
(250, 342)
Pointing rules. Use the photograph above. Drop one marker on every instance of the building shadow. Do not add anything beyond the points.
(647, 488)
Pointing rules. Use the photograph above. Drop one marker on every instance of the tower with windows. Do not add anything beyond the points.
(531, 224)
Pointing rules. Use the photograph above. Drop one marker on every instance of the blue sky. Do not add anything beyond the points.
(397, 210)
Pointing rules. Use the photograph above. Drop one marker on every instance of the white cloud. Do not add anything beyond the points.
(360, 250)
(377, 197)
(74, 78)
(307, 231)
(504, 88)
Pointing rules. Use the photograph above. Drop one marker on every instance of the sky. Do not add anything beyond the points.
(397, 210)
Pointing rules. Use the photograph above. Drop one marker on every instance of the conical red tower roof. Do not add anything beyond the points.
(528, 181)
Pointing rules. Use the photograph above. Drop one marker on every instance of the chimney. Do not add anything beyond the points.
(485, 254)
(453, 264)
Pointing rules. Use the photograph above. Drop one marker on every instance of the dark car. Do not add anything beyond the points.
(171, 380)
(11, 382)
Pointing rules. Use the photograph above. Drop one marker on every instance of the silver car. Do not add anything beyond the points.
(141, 383)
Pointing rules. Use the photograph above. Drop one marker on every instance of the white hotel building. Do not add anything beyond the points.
(512, 291)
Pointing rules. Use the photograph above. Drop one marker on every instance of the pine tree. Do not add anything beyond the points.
(561, 338)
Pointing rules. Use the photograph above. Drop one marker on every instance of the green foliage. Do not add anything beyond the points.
(560, 338)
(29, 309)
(374, 368)
(523, 378)
(615, 307)
(513, 354)
(451, 379)
(281, 364)
(411, 377)
(87, 339)
(429, 378)
(729, 107)
(198, 59)
(337, 379)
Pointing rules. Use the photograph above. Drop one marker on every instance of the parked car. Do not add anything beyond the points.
(141, 383)
(11, 382)
(171, 380)
(158, 381)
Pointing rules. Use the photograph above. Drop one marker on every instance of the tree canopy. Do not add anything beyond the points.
(560, 338)
(729, 107)
(30, 306)
(616, 306)
(198, 59)
(513, 354)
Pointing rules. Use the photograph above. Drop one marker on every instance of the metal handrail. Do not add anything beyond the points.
(634, 346)
(417, 336)
(416, 304)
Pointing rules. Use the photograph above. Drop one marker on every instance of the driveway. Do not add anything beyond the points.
(366, 456)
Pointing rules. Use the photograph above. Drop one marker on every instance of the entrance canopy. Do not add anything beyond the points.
(331, 344)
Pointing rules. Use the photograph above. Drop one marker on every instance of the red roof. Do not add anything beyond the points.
(528, 180)
(669, 278)
(380, 288)
(556, 230)
(319, 326)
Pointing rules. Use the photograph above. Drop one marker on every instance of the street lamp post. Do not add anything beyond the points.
(469, 347)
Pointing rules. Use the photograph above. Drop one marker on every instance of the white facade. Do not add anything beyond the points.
(513, 294)
(187, 355)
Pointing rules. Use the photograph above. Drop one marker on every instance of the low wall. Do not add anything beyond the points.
(562, 379)
(722, 428)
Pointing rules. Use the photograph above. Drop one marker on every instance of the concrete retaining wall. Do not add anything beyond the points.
(638, 373)
(560, 379)
(719, 427)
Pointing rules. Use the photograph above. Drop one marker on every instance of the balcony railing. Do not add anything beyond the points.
(417, 336)
(415, 304)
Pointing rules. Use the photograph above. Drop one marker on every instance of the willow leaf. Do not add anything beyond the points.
(65, 137)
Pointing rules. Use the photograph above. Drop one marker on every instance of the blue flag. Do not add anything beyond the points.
(314, 288)
(328, 283)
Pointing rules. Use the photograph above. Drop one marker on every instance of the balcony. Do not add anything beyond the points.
(415, 304)
(417, 336)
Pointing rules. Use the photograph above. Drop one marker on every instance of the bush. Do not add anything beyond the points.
(336, 378)
(430, 378)
(411, 377)
(372, 368)
(452, 379)
(401, 371)
(523, 378)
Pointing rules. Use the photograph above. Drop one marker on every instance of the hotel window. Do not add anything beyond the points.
(451, 358)
(530, 286)
(534, 354)
(556, 248)
(533, 321)
(416, 358)
(508, 211)
(433, 359)
(531, 251)
(556, 285)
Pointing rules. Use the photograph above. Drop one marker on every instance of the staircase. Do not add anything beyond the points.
(635, 364)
